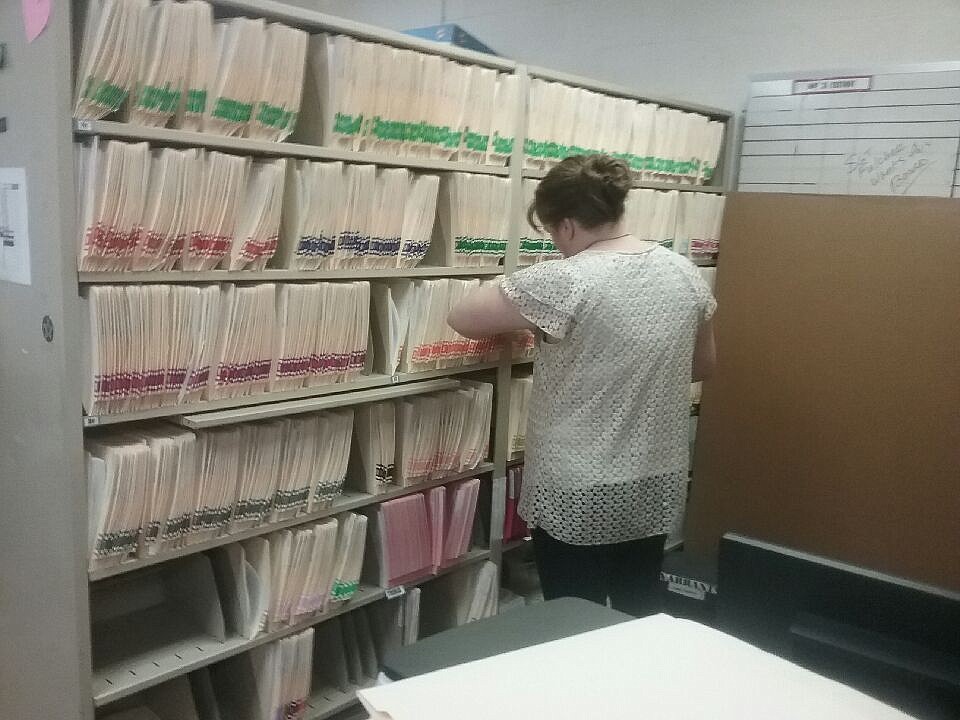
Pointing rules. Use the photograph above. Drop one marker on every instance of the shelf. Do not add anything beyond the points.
(218, 418)
(133, 675)
(648, 184)
(514, 544)
(350, 500)
(620, 91)
(248, 146)
(279, 275)
(363, 383)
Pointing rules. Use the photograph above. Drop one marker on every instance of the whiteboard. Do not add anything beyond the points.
(897, 133)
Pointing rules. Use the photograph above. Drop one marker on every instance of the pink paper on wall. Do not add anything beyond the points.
(36, 13)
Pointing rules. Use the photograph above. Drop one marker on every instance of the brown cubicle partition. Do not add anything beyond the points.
(832, 424)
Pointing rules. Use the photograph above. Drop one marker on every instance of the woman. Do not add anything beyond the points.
(623, 325)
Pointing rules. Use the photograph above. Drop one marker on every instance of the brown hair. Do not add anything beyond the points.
(590, 189)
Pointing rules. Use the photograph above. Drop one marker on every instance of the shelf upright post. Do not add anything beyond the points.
(44, 614)
(505, 370)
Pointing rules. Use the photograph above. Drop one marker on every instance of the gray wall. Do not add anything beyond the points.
(701, 51)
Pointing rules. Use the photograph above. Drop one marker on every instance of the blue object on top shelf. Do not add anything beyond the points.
(450, 34)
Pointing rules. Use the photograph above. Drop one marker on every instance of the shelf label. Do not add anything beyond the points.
(395, 592)
(14, 237)
(832, 85)
(394, 379)
(84, 126)
(90, 420)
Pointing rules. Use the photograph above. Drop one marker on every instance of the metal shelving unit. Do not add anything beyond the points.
(46, 651)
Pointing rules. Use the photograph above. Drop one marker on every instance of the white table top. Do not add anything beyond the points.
(650, 669)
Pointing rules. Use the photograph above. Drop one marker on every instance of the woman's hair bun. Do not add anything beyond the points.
(590, 189)
(609, 171)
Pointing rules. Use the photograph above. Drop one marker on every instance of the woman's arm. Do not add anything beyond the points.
(704, 352)
(485, 312)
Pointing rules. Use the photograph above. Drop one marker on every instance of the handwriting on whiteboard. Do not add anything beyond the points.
(897, 168)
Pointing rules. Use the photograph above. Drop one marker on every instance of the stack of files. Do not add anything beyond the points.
(302, 564)
(277, 100)
(189, 209)
(142, 492)
(261, 450)
(653, 215)
(437, 509)
(158, 487)
(401, 540)
(147, 346)
(464, 596)
(457, 519)
(523, 345)
(475, 438)
(222, 191)
(158, 345)
(411, 330)
(313, 462)
(244, 80)
(114, 178)
(169, 70)
(452, 510)
(391, 308)
(656, 142)
(642, 150)
(243, 575)
(349, 649)
(351, 542)
(245, 344)
(270, 682)
(322, 334)
(114, 35)
(258, 226)
(118, 472)
(533, 238)
(417, 534)
(503, 124)
(411, 617)
(473, 224)
(376, 444)
(443, 432)
(370, 96)
(215, 491)
(698, 224)
(478, 115)
(334, 430)
(520, 389)
(356, 216)
(514, 526)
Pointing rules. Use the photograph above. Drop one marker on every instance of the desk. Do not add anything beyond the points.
(656, 668)
(520, 628)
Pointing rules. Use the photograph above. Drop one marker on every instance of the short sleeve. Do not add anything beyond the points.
(706, 302)
(549, 294)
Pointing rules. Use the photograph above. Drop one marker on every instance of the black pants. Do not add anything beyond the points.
(628, 573)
